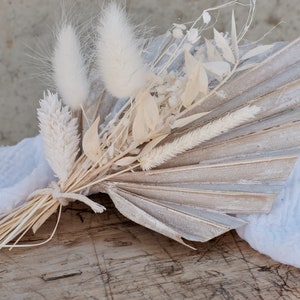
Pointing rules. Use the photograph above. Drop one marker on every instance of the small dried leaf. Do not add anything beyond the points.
(126, 161)
(203, 80)
(222, 44)
(212, 52)
(139, 127)
(151, 112)
(218, 68)
(256, 51)
(147, 117)
(184, 121)
(197, 80)
(91, 142)
(192, 87)
(190, 62)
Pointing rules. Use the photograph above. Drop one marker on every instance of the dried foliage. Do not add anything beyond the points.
(171, 109)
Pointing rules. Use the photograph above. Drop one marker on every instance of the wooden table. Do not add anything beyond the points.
(108, 257)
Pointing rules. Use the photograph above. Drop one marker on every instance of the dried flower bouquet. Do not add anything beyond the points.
(199, 130)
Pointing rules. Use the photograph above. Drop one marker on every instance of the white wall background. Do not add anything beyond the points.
(26, 23)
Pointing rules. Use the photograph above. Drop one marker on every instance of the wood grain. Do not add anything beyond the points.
(108, 257)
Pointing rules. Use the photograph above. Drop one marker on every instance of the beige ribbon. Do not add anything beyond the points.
(61, 197)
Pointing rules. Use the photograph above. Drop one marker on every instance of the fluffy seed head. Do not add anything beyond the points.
(118, 53)
(161, 154)
(69, 71)
(59, 132)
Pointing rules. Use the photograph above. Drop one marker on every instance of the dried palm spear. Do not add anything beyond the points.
(183, 133)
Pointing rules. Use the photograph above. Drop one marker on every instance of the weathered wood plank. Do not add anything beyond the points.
(113, 258)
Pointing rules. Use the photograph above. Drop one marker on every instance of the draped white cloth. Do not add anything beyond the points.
(277, 234)
(23, 169)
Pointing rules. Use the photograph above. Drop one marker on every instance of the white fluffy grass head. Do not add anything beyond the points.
(69, 71)
(118, 53)
(59, 132)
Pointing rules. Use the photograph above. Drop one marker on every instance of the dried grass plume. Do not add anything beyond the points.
(59, 132)
(194, 138)
(69, 71)
(119, 54)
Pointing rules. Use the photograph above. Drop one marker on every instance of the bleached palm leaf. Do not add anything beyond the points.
(173, 220)
(196, 194)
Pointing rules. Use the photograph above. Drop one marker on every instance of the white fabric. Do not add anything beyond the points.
(23, 169)
(277, 234)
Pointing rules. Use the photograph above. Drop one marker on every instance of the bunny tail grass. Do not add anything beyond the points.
(118, 53)
(68, 68)
(59, 132)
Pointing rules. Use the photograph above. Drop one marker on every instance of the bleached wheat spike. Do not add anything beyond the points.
(68, 68)
(118, 54)
(194, 138)
(59, 132)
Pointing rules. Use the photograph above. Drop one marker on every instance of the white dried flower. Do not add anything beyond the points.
(68, 68)
(59, 132)
(193, 35)
(206, 17)
(119, 54)
(177, 33)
